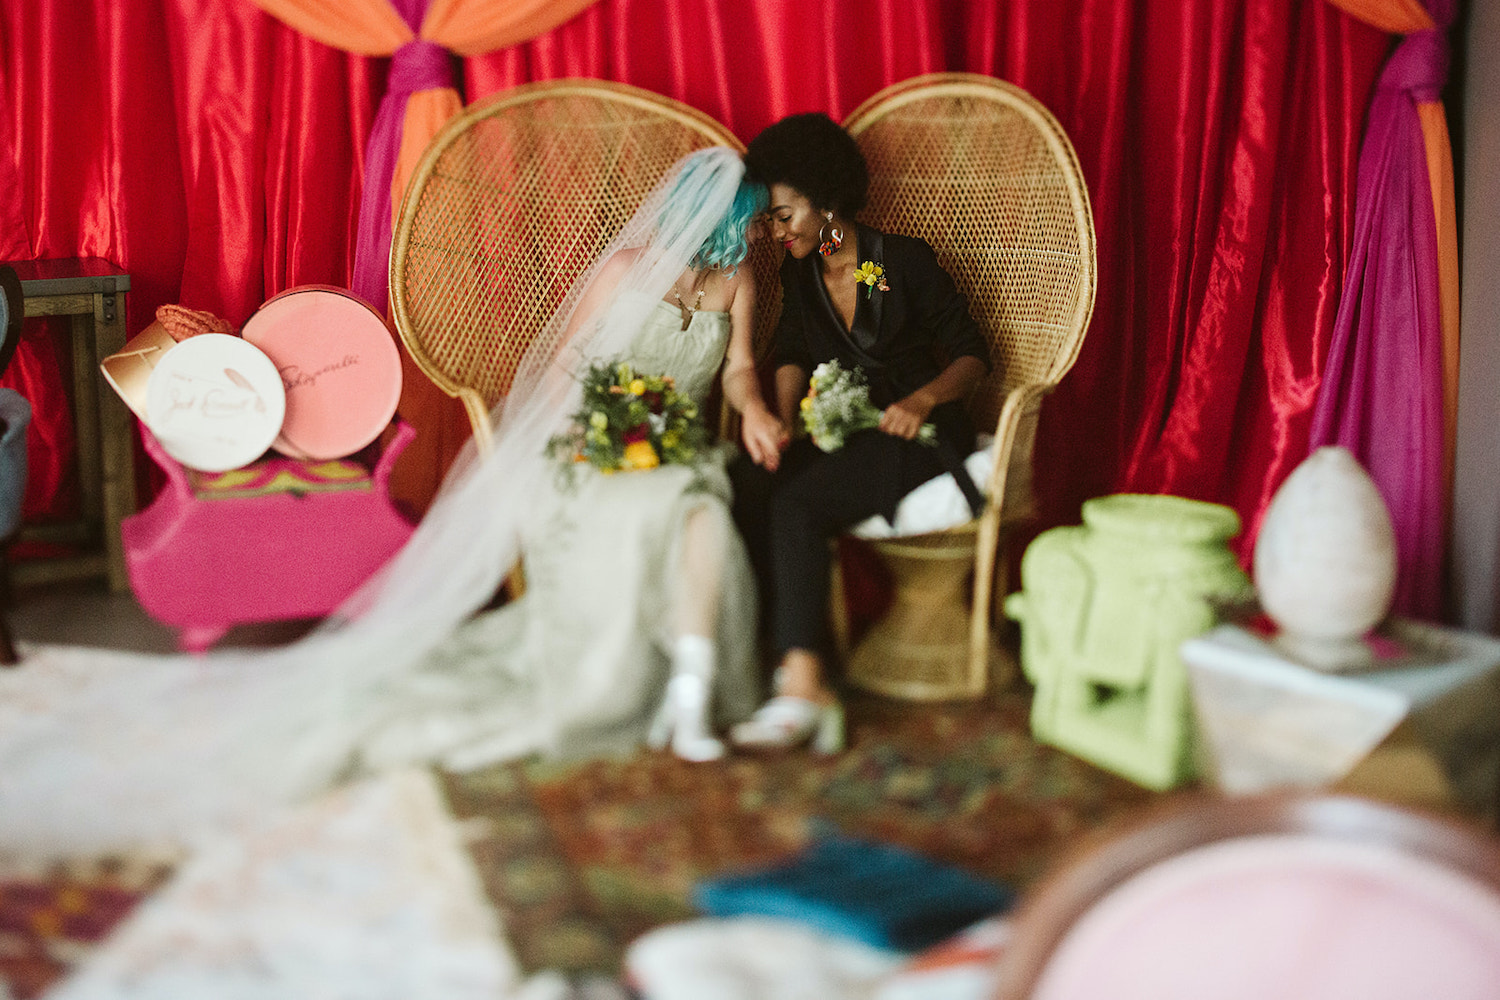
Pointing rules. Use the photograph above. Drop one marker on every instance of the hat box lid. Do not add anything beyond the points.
(339, 366)
(214, 402)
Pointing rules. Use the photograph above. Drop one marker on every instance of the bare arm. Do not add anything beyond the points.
(600, 289)
(791, 386)
(904, 418)
(762, 433)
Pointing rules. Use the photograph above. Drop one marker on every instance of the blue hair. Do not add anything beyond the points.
(729, 243)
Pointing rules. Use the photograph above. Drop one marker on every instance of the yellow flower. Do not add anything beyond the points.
(598, 420)
(640, 455)
(870, 274)
(638, 387)
(807, 403)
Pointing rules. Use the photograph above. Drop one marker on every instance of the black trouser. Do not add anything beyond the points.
(788, 519)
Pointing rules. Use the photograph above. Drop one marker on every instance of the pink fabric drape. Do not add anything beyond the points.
(1383, 394)
(420, 65)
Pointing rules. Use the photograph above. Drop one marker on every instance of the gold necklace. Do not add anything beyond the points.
(687, 310)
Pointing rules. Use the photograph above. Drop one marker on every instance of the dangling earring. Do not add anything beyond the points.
(829, 245)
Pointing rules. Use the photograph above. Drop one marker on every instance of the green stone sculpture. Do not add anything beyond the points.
(1103, 609)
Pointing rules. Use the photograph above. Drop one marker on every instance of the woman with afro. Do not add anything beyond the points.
(911, 335)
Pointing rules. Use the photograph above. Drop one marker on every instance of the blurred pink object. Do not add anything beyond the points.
(203, 565)
(1291, 896)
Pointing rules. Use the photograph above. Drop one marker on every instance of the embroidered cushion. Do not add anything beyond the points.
(281, 475)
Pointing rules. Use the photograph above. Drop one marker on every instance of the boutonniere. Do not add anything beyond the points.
(872, 276)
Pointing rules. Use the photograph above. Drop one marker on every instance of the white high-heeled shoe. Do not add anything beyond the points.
(787, 721)
(682, 721)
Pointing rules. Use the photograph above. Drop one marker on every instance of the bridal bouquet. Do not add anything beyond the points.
(838, 404)
(630, 420)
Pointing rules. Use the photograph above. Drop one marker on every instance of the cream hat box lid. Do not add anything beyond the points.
(214, 402)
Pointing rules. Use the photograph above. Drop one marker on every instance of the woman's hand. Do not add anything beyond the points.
(764, 436)
(905, 417)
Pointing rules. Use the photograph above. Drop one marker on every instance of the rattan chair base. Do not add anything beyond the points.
(920, 649)
(984, 173)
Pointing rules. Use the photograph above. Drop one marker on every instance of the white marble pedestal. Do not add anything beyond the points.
(1268, 722)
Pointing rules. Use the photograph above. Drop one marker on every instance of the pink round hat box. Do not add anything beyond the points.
(339, 365)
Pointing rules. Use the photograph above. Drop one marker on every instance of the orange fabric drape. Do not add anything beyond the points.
(1402, 17)
(1399, 17)
(474, 27)
(1445, 211)
(365, 27)
(467, 27)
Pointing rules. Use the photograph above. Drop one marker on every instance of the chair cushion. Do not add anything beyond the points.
(281, 475)
(934, 506)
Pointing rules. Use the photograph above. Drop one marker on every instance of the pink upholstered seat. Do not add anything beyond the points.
(1330, 897)
(280, 540)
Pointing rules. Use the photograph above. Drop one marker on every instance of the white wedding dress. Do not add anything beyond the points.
(579, 663)
(103, 750)
(574, 667)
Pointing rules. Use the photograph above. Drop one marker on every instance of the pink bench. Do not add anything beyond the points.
(280, 539)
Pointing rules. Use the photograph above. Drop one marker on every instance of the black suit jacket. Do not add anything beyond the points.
(901, 338)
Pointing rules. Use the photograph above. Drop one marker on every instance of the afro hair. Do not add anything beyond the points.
(814, 155)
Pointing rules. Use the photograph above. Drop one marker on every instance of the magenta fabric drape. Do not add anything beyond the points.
(217, 155)
(1382, 396)
(417, 65)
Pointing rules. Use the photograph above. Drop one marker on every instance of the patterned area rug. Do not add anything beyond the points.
(51, 919)
(581, 858)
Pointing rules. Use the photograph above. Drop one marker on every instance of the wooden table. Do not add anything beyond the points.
(92, 292)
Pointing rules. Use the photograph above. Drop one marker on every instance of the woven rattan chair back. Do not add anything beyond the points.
(983, 172)
(510, 203)
(979, 169)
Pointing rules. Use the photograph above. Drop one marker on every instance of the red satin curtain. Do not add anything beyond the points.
(216, 155)
(211, 152)
(1219, 140)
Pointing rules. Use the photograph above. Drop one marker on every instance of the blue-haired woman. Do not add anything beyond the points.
(638, 618)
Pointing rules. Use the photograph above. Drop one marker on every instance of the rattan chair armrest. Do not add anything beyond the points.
(1017, 400)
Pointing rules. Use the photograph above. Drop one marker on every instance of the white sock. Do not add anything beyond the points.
(693, 655)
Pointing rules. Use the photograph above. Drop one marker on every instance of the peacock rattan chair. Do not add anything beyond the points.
(984, 173)
(509, 204)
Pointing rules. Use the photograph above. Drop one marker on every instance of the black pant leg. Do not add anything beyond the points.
(812, 503)
(750, 507)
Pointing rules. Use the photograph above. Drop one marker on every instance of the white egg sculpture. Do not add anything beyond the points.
(1325, 561)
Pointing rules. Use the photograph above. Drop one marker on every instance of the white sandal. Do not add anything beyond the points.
(682, 721)
(786, 721)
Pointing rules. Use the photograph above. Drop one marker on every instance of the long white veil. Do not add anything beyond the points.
(100, 751)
